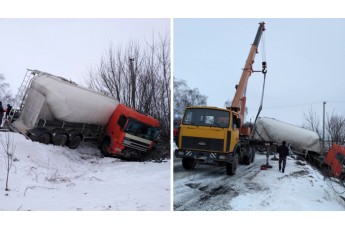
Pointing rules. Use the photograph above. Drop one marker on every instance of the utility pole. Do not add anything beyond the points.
(323, 128)
(133, 81)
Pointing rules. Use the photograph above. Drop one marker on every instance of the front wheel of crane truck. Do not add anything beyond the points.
(188, 163)
(231, 167)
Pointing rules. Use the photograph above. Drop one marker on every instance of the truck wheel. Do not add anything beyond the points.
(188, 163)
(247, 159)
(44, 138)
(326, 170)
(74, 142)
(247, 156)
(232, 166)
(59, 139)
(104, 148)
(253, 155)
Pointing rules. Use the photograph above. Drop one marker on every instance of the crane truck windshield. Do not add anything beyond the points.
(206, 117)
(140, 129)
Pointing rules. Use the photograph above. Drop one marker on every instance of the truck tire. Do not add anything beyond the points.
(104, 147)
(44, 138)
(188, 163)
(247, 159)
(253, 155)
(231, 167)
(326, 170)
(59, 139)
(247, 156)
(74, 142)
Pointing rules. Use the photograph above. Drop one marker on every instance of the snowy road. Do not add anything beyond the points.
(299, 188)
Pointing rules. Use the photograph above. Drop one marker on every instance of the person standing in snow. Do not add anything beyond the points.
(8, 110)
(1, 113)
(283, 153)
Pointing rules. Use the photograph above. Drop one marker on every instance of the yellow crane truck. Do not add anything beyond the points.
(218, 136)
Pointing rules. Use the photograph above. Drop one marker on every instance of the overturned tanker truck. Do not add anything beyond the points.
(303, 142)
(52, 109)
(300, 139)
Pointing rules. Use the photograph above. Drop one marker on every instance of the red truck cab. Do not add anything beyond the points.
(335, 159)
(177, 124)
(129, 133)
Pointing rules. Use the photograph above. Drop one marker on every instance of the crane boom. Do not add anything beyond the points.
(239, 100)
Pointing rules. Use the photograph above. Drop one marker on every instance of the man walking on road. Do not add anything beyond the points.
(283, 151)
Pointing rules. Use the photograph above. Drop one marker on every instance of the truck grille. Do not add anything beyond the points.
(208, 144)
(137, 143)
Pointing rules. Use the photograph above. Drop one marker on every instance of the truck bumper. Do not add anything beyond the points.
(203, 156)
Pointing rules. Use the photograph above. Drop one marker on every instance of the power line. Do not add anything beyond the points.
(299, 104)
(291, 105)
(335, 102)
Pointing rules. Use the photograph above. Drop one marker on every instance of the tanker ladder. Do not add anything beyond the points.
(21, 95)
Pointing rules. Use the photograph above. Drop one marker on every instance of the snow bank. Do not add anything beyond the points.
(300, 188)
(47, 177)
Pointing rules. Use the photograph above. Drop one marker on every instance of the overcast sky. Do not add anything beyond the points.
(305, 58)
(67, 47)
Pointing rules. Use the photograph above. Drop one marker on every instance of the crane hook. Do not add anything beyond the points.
(264, 67)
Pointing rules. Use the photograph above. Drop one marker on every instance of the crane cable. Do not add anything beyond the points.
(264, 71)
(263, 46)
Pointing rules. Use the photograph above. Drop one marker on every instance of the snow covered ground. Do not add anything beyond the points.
(47, 177)
(300, 188)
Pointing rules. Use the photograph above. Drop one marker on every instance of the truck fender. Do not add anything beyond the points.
(72, 133)
(59, 131)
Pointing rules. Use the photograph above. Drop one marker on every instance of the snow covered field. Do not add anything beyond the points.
(300, 188)
(47, 177)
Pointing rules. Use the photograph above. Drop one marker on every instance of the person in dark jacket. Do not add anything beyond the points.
(8, 110)
(1, 112)
(283, 151)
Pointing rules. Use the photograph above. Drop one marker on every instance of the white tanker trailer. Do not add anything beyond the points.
(55, 98)
(269, 129)
(55, 110)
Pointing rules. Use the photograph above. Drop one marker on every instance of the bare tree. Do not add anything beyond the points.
(228, 103)
(7, 149)
(336, 128)
(185, 96)
(5, 93)
(139, 77)
(312, 121)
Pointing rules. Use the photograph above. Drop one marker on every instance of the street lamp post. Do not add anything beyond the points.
(323, 128)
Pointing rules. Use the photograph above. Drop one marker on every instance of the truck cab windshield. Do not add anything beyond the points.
(142, 130)
(206, 117)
